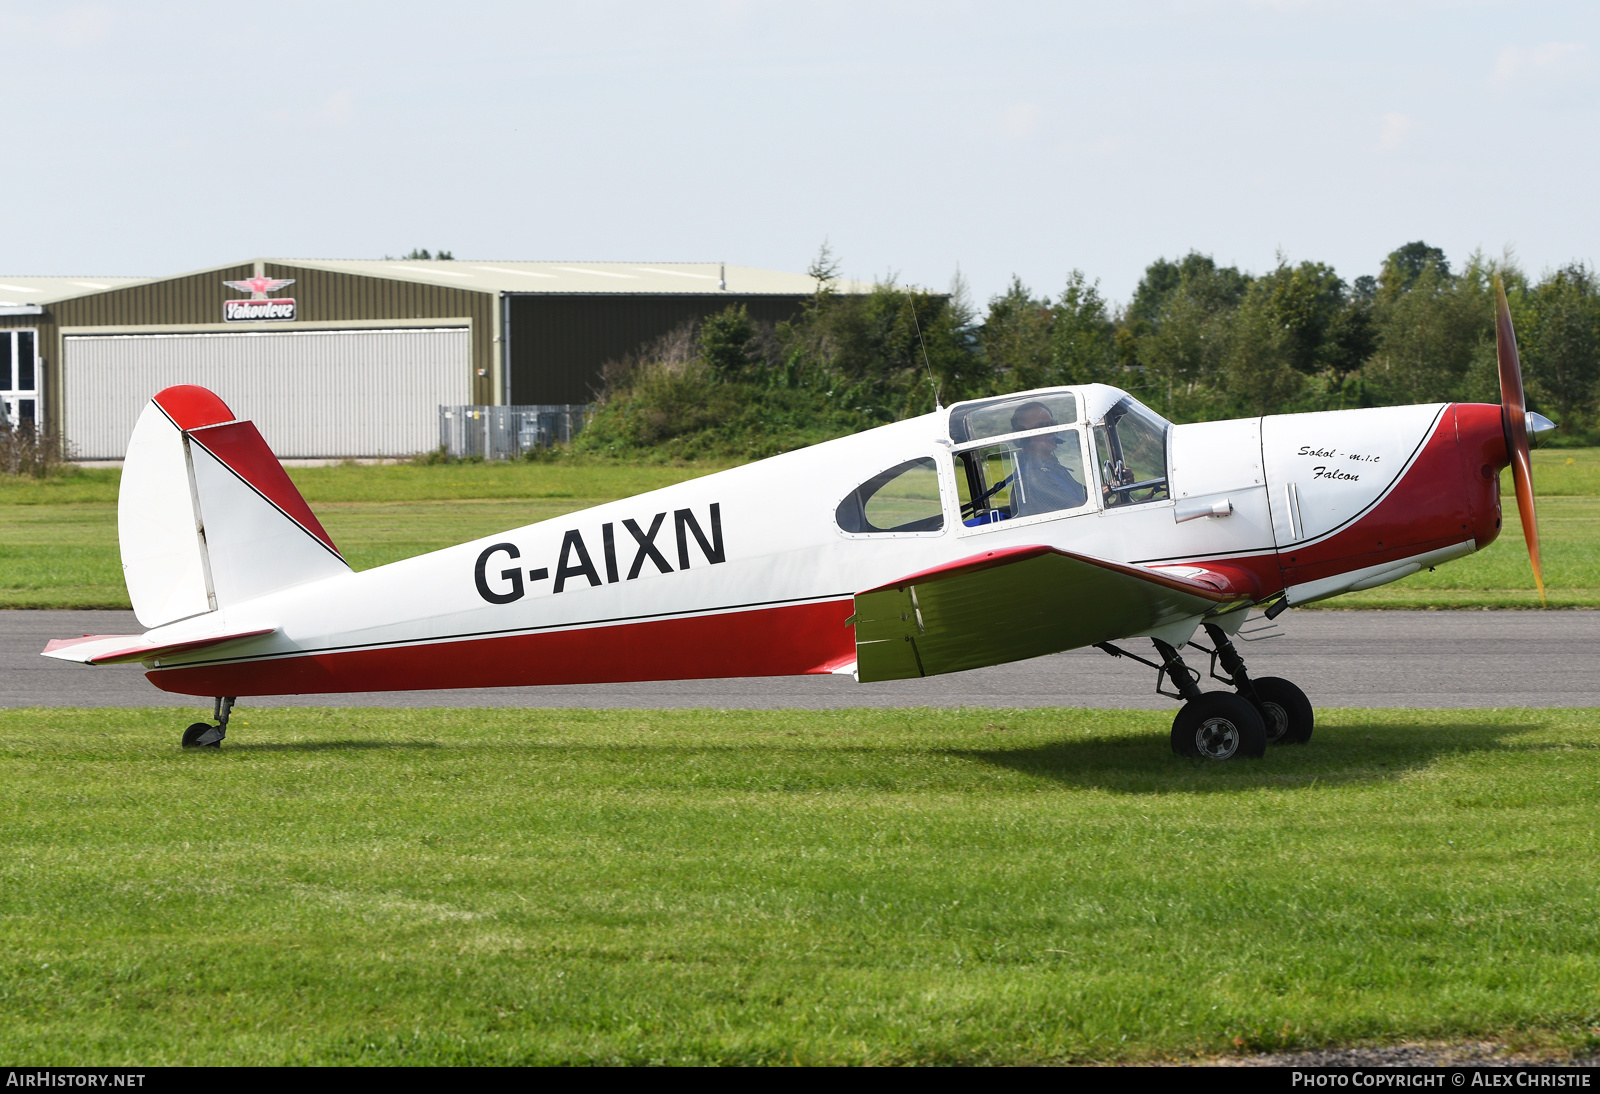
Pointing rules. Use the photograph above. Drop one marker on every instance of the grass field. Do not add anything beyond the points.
(58, 539)
(58, 546)
(367, 886)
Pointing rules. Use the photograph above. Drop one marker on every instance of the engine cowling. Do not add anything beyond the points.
(1363, 497)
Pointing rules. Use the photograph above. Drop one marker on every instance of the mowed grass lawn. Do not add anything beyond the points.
(58, 542)
(492, 886)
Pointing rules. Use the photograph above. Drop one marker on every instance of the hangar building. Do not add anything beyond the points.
(348, 358)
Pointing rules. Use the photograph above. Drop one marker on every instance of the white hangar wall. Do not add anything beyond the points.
(323, 393)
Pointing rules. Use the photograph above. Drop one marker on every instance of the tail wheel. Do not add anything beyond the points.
(192, 735)
(1285, 710)
(1219, 726)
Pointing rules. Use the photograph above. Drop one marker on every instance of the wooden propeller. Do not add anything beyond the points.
(1514, 411)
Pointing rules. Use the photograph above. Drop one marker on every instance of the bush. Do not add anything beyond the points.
(732, 388)
(24, 450)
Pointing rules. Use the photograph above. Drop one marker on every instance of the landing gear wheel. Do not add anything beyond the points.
(1219, 726)
(1285, 710)
(192, 735)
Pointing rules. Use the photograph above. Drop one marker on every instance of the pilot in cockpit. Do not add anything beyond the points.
(1043, 485)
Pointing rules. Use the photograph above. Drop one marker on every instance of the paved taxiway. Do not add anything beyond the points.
(1340, 658)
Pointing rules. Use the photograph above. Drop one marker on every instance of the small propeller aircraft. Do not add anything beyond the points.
(992, 531)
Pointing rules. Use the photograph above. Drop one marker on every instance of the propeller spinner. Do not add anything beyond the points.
(1518, 424)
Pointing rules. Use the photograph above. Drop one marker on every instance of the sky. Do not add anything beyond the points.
(915, 139)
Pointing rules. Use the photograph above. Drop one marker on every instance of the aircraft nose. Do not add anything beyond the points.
(1538, 423)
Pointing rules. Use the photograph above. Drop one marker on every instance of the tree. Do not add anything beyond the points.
(871, 352)
(1323, 328)
(1017, 336)
(1083, 341)
(1272, 340)
(1349, 341)
(1182, 356)
(728, 344)
(1302, 302)
(1177, 332)
(1406, 264)
(1428, 331)
(824, 269)
(1196, 274)
(1562, 351)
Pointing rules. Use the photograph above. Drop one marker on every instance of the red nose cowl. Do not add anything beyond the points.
(1481, 441)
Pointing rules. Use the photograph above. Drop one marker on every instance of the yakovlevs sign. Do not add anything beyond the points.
(259, 307)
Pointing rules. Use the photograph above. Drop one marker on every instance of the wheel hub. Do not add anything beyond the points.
(1277, 720)
(1217, 738)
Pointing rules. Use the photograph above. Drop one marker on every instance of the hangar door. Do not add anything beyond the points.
(344, 393)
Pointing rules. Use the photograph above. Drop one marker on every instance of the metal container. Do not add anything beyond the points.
(507, 432)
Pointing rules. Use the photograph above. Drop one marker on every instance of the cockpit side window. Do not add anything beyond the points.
(904, 498)
(1131, 445)
(1035, 472)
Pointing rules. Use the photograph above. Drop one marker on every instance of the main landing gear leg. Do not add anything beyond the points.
(1284, 708)
(206, 735)
(1212, 725)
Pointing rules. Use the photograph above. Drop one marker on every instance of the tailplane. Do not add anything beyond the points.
(206, 516)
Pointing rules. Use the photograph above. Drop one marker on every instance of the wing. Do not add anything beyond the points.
(1007, 605)
(241, 286)
(276, 283)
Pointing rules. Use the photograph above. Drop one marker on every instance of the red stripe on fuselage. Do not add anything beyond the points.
(792, 640)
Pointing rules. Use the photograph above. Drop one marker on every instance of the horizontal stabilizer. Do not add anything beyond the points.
(120, 649)
(1020, 602)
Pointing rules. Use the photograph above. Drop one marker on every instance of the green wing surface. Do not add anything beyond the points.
(1021, 602)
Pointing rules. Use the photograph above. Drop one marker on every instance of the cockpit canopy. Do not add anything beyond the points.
(1032, 454)
(1014, 460)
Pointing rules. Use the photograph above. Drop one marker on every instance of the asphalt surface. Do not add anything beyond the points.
(1340, 658)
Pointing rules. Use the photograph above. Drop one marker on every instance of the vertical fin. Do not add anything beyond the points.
(163, 562)
(207, 517)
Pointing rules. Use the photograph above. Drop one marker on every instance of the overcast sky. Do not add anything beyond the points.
(1024, 138)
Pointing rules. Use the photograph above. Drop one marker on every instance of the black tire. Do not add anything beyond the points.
(1219, 726)
(1285, 710)
(192, 735)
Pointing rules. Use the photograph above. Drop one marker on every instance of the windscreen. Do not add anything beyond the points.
(1132, 449)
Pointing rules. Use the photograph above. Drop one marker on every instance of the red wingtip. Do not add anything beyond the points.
(193, 407)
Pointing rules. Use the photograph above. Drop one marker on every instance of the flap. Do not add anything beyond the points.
(1020, 602)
